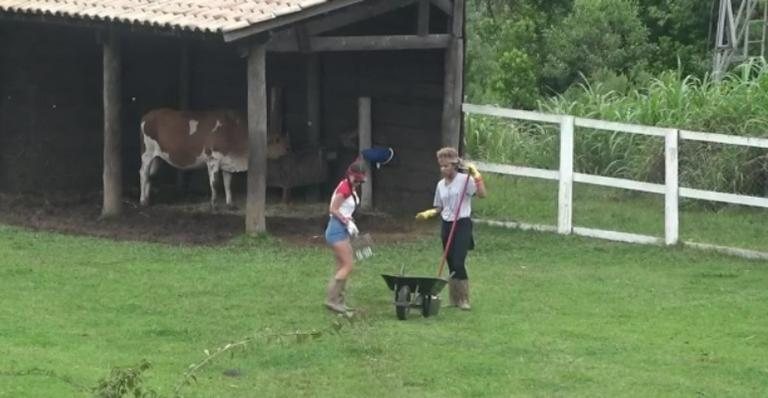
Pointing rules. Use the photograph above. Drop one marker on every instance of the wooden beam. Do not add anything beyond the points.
(364, 123)
(422, 25)
(369, 43)
(113, 171)
(345, 17)
(255, 215)
(289, 19)
(444, 5)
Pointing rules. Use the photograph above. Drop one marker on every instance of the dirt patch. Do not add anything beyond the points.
(189, 221)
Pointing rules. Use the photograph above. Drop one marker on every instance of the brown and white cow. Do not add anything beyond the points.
(188, 140)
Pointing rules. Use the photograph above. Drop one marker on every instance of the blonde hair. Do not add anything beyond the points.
(450, 154)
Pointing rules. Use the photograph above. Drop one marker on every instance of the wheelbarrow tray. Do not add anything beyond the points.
(417, 284)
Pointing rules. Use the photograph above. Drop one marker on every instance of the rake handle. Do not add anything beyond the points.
(453, 229)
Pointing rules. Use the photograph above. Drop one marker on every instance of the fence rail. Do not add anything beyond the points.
(671, 189)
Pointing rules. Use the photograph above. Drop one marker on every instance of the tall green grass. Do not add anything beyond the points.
(512, 142)
(736, 105)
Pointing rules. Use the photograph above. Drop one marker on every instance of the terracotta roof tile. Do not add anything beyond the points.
(195, 15)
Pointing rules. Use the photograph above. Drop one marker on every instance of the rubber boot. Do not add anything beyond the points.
(342, 295)
(463, 298)
(333, 298)
(453, 290)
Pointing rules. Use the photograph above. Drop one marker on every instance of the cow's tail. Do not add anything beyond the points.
(145, 120)
(142, 135)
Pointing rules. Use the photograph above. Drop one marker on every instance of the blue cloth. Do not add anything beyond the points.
(378, 155)
(335, 232)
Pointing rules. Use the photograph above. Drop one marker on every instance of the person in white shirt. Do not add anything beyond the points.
(341, 226)
(448, 197)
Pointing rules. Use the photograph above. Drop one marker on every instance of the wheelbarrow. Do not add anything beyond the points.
(425, 289)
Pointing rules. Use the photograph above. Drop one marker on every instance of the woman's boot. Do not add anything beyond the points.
(463, 299)
(333, 300)
(453, 292)
(342, 295)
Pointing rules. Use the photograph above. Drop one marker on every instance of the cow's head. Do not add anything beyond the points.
(277, 146)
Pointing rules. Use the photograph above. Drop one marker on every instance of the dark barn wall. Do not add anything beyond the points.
(50, 132)
(150, 80)
(406, 90)
(50, 104)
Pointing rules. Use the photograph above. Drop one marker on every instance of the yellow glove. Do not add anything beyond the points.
(426, 214)
(474, 172)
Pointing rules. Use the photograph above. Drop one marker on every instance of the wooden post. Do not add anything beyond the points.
(671, 198)
(565, 196)
(113, 173)
(181, 182)
(458, 96)
(450, 136)
(454, 79)
(422, 24)
(255, 217)
(365, 142)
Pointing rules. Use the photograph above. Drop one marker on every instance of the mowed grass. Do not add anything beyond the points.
(552, 316)
(535, 201)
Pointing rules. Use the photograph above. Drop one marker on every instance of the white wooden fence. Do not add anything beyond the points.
(671, 189)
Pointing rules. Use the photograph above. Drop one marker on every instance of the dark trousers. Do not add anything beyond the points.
(463, 242)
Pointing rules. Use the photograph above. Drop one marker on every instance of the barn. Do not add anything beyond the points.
(335, 76)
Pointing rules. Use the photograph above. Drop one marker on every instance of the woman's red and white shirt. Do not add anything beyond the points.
(351, 200)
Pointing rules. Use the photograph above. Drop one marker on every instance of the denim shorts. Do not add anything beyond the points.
(335, 232)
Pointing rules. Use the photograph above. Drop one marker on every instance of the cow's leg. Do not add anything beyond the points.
(154, 166)
(213, 170)
(147, 163)
(227, 186)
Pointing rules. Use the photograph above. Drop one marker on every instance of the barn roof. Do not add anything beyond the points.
(207, 16)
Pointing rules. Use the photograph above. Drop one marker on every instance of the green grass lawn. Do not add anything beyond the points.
(552, 316)
(535, 201)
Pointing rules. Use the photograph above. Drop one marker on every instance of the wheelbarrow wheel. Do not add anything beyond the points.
(403, 302)
(426, 303)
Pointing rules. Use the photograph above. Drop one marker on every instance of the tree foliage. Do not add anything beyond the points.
(521, 50)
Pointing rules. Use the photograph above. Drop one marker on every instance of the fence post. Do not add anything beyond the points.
(671, 198)
(565, 196)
